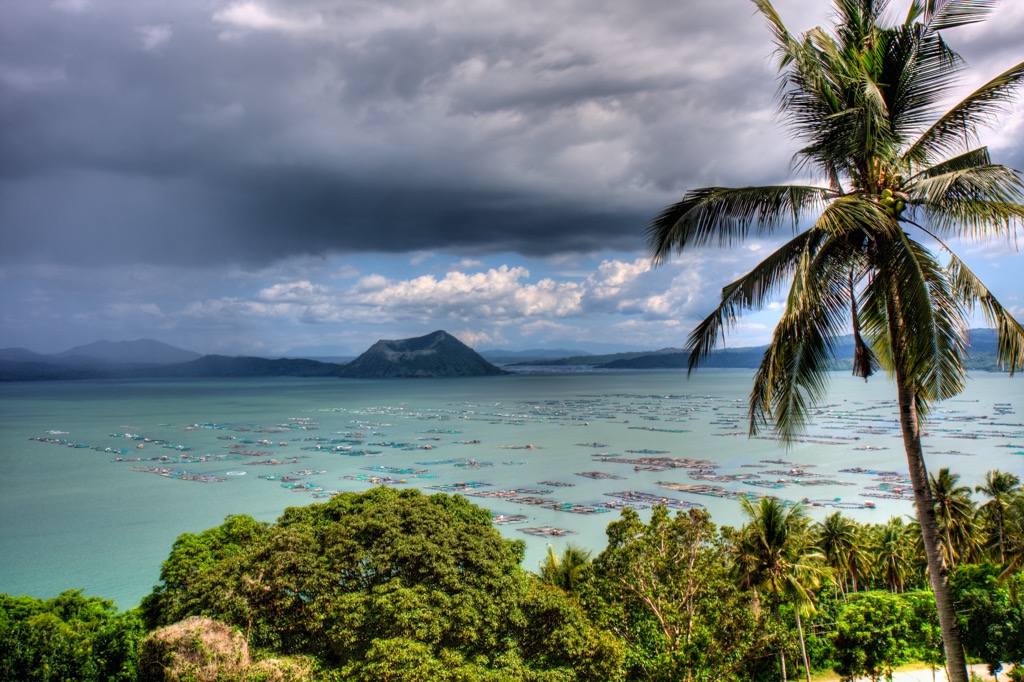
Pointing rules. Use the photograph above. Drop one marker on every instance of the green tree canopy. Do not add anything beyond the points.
(368, 580)
(1001, 487)
(991, 613)
(667, 592)
(70, 638)
(872, 635)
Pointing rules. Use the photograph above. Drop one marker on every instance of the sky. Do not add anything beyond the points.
(304, 177)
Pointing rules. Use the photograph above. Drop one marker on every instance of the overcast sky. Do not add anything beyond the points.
(308, 176)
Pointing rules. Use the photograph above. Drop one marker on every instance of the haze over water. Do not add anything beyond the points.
(73, 517)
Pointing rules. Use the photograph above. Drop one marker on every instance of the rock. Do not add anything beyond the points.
(196, 649)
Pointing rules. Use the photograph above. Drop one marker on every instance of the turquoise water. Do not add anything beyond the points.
(73, 517)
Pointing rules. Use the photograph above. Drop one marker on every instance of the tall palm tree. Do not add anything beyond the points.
(780, 556)
(954, 511)
(863, 99)
(809, 572)
(1000, 487)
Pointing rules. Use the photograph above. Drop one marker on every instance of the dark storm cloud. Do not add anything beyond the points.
(198, 131)
(253, 131)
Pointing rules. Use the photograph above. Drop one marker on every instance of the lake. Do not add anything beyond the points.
(97, 479)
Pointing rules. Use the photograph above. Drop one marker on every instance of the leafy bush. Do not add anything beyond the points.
(70, 637)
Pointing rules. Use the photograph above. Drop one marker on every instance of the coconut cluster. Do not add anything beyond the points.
(891, 203)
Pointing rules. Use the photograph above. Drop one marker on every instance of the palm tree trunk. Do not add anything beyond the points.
(803, 647)
(949, 543)
(778, 622)
(937, 571)
(999, 515)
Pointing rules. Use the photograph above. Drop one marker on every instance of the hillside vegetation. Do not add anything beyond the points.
(389, 585)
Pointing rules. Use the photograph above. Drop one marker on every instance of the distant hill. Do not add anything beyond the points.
(224, 366)
(438, 354)
(505, 357)
(11, 370)
(981, 356)
(147, 359)
(142, 352)
(205, 367)
(20, 355)
(592, 360)
(332, 359)
(741, 358)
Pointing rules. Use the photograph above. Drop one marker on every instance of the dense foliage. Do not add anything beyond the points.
(389, 585)
(666, 590)
(373, 581)
(69, 637)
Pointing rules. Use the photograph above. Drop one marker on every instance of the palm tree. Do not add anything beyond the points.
(863, 100)
(568, 571)
(893, 554)
(1000, 487)
(779, 554)
(917, 556)
(954, 511)
(1014, 535)
(839, 539)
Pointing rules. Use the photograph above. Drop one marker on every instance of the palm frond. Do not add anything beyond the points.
(914, 12)
(875, 111)
(844, 218)
(919, 70)
(723, 216)
(954, 13)
(979, 201)
(852, 213)
(915, 321)
(792, 376)
(970, 159)
(856, 21)
(956, 130)
(749, 292)
(783, 39)
(872, 313)
(944, 340)
(790, 379)
(821, 101)
(1009, 332)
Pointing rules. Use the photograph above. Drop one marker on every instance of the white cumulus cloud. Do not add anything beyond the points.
(255, 17)
(295, 292)
(153, 36)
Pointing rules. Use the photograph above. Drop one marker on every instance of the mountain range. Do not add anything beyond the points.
(140, 352)
(437, 354)
(981, 356)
